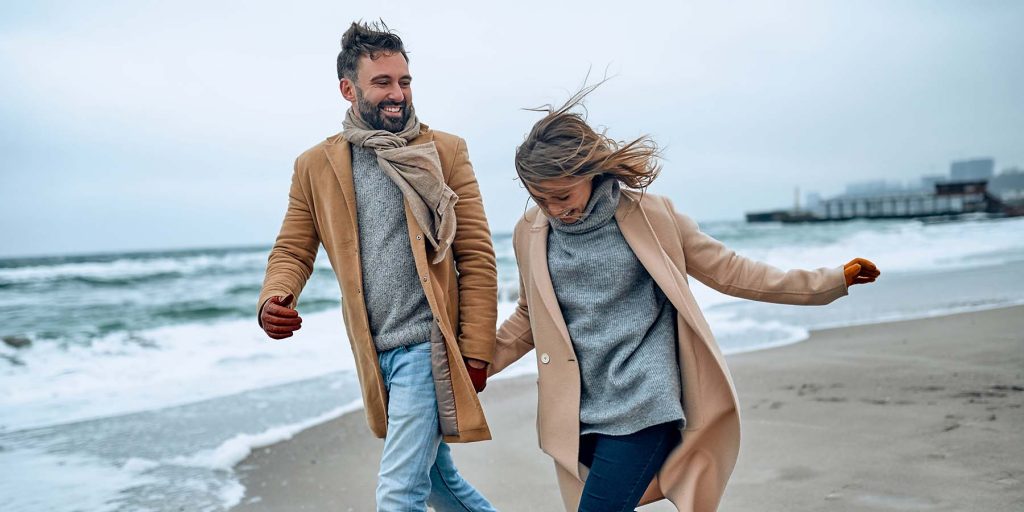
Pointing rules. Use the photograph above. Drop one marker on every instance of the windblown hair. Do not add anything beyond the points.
(562, 144)
(362, 38)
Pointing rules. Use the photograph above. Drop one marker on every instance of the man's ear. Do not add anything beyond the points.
(348, 90)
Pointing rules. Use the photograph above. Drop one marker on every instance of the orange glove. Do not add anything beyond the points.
(860, 271)
(477, 375)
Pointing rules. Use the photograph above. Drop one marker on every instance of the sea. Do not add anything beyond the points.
(142, 378)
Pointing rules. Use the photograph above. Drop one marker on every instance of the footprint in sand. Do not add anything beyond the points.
(890, 502)
(796, 473)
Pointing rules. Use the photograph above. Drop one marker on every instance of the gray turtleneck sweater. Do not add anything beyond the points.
(395, 303)
(621, 324)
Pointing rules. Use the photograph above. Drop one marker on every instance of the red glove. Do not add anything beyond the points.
(860, 271)
(278, 318)
(477, 375)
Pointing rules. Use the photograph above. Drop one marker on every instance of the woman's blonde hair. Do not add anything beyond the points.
(562, 144)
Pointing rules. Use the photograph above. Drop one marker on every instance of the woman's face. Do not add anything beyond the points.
(563, 198)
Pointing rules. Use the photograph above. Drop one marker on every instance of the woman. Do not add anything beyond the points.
(635, 401)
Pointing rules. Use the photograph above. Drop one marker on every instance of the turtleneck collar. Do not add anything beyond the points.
(601, 206)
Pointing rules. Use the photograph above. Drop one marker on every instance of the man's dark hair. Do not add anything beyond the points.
(372, 39)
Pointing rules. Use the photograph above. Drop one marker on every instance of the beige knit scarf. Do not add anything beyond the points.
(417, 172)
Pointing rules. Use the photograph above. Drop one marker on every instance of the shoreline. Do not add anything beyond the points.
(806, 410)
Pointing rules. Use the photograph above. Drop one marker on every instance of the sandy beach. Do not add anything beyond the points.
(912, 415)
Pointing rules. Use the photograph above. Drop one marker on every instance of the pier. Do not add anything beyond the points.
(950, 199)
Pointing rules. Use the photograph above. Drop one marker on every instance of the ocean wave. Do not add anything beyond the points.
(232, 451)
(125, 372)
(129, 269)
(115, 281)
(199, 312)
(895, 246)
(248, 290)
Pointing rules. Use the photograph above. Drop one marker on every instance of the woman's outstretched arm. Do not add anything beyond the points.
(714, 264)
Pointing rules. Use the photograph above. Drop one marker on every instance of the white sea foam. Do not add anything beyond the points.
(136, 266)
(157, 368)
(32, 480)
(894, 246)
(236, 449)
(738, 335)
(129, 267)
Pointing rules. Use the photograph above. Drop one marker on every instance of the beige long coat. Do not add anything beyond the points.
(461, 289)
(670, 246)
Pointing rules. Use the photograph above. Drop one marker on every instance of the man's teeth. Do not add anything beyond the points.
(393, 110)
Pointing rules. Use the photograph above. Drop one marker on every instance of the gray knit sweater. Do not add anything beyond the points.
(621, 324)
(397, 308)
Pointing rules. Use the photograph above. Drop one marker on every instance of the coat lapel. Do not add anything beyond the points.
(542, 276)
(339, 154)
(640, 236)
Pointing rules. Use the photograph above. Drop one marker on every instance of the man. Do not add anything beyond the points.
(398, 211)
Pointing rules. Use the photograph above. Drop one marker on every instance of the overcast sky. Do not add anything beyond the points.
(141, 125)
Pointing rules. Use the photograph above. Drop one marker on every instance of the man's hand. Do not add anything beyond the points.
(279, 320)
(477, 373)
(860, 271)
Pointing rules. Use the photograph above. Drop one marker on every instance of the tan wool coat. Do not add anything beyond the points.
(461, 289)
(670, 246)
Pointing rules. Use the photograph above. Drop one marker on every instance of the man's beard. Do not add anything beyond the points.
(375, 118)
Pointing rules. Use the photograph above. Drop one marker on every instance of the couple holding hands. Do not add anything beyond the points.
(635, 400)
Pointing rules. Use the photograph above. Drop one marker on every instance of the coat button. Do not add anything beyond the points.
(419, 237)
(424, 279)
(545, 359)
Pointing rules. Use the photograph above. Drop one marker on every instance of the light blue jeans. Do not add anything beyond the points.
(416, 467)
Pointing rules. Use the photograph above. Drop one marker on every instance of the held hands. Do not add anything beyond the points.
(860, 271)
(477, 373)
(279, 320)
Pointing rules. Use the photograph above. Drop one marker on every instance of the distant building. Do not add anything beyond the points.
(970, 190)
(972, 170)
(1008, 185)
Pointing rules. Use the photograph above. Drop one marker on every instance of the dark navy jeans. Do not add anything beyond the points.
(621, 467)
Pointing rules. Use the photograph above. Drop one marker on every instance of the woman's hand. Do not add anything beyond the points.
(860, 271)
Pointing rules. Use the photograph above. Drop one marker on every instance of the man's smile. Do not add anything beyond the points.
(392, 110)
